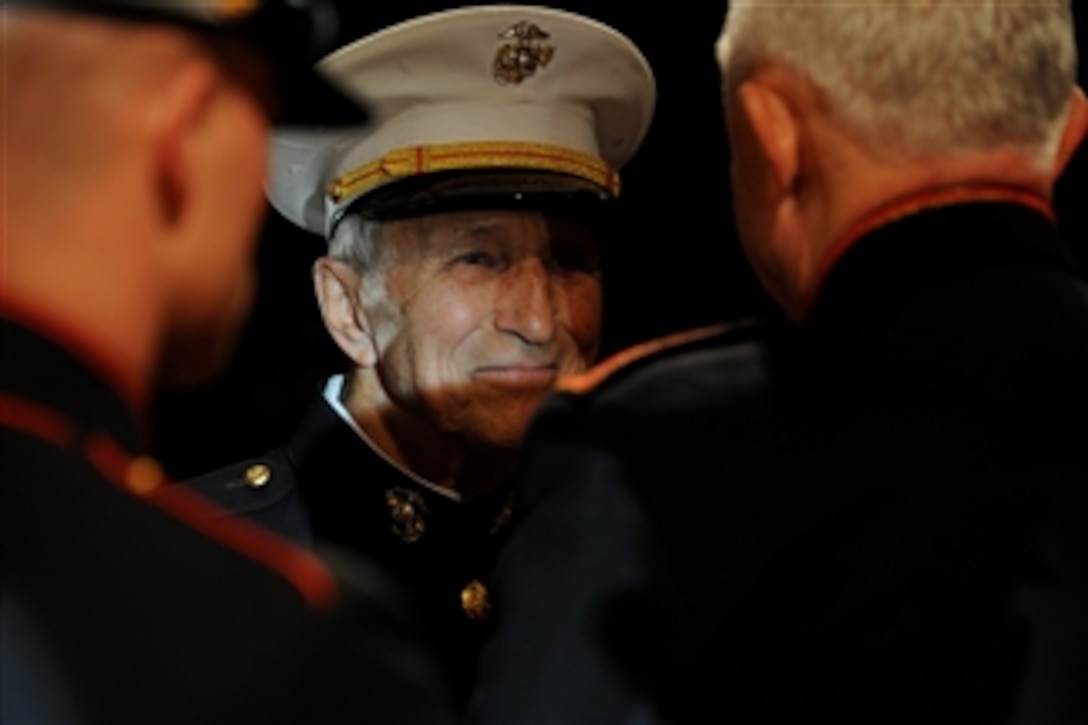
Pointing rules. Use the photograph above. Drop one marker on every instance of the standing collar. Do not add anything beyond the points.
(921, 239)
(913, 204)
(41, 368)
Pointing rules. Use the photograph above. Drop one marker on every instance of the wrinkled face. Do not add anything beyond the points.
(481, 312)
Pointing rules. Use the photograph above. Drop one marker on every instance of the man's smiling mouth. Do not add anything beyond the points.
(518, 375)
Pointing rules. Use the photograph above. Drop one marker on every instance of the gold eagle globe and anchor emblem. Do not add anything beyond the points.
(523, 53)
(408, 510)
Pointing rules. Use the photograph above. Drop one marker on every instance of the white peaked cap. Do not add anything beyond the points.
(475, 89)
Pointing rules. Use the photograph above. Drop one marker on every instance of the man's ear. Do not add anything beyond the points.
(182, 101)
(1076, 128)
(336, 285)
(773, 128)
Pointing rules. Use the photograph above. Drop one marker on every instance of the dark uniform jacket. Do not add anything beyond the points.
(878, 516)
(328, 483)
(123, 602)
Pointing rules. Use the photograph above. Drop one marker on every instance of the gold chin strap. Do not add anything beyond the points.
(415, 160)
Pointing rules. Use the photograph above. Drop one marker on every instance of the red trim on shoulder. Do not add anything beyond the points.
(139, 476)
(36, 420)
(297, 565)
(913, 204)
(590, 379)
(25, 313)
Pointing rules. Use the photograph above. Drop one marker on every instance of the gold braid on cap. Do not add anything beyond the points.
(416, 160)
(235, 9)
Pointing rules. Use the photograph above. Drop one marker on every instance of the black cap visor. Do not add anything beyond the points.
(288, 35)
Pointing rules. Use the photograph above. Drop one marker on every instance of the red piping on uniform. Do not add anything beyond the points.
(587, 380)
(36, 420)
(300, 567)
(912, 204)
(72, 340)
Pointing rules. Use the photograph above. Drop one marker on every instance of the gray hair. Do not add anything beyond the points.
(356, 241)
(920, 77)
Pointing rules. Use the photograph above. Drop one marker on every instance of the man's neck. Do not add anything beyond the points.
(413, 442)
(113, 339)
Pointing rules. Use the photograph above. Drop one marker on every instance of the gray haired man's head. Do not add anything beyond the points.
(919, 79)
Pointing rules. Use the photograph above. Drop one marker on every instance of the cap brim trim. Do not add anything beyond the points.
(479, 155)
(481, 189)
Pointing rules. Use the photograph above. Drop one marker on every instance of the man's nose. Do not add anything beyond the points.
(526, 305)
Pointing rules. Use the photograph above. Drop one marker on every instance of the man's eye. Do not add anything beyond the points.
(477, 259)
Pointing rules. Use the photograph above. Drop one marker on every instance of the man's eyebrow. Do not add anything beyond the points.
(478, 226)
(437, 235)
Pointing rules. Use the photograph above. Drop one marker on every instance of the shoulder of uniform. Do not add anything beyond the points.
(246, 484)
(637, 356)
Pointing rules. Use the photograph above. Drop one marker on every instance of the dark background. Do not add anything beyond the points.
(674, 262)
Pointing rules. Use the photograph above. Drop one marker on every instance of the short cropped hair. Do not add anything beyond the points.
(919, 78)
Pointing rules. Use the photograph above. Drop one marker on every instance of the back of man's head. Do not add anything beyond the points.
(135, 154)
(920, 79)
(71, 84)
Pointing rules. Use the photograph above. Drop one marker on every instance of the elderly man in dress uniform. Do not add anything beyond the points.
(134, 153)
(462, 280)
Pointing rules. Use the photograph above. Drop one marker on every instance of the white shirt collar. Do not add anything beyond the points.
(334, 390)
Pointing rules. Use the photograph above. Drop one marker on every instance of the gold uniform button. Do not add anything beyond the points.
(475, 600)
(143, 475)
(257, 476)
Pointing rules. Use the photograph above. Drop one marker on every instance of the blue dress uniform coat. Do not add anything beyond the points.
(122, 603)
(328, 484)
(877, 516)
